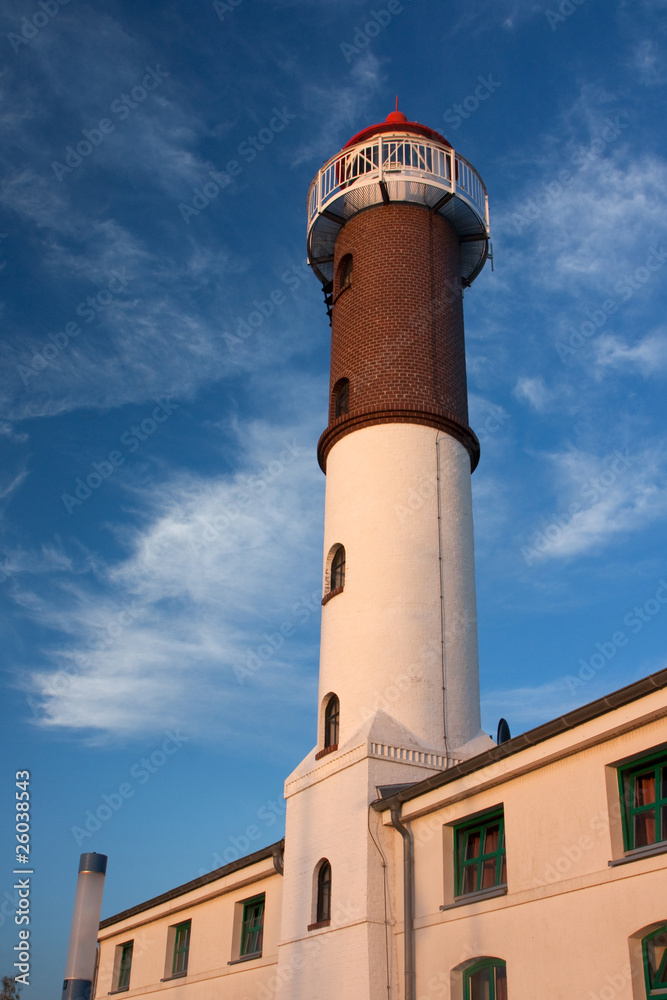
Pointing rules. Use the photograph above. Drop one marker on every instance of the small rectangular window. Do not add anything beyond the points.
(179, 965)
(479, 847)
(122, 966)
(125, 966)
(643, 793)
(252, 927)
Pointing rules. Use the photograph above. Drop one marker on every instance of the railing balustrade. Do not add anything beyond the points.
(414, 158)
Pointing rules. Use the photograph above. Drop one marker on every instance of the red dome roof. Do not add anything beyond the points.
(397, 121)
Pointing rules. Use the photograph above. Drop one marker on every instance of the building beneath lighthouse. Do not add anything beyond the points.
(421, 859)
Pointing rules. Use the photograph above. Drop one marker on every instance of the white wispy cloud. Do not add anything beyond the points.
(647, 61)
(648, 356)
(534, 392)
(489, 15)
(341, 110)
(9, 484)
(7, 431)
(600, 498)
(584, 187)
(188, 625)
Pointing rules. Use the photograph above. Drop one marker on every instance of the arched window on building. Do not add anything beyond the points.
(331, 722)
(654, 956)
(341, 397)
(338, 568)
(345, 272)
(323, 903)
(485, 979)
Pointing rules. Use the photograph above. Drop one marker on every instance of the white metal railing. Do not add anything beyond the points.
(413, 158)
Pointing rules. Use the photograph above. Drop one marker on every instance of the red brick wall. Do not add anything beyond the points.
(397, 330)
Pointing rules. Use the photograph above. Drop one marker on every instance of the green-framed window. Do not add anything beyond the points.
(125, 966)
(654, 952)
(485, 980)
(179, 965)
(643, 791)
(479, 847)
(252, 927)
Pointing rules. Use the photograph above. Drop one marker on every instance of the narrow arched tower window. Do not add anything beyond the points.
(338, 568)
(323, 908)
(345, 272)
(331, 722)
(341, 397)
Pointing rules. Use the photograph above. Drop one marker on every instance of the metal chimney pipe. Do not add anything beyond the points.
(80, 968)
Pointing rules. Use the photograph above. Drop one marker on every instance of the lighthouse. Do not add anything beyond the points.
(397, 228)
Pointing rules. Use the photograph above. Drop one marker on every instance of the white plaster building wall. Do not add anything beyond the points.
(213, 911)
(329, 818)
(570, 944)
(386, 626)
(567, 918)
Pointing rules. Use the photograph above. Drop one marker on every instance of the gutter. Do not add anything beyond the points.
(408, 903)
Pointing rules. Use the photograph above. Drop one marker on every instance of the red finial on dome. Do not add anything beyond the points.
(396, 116)
(397, 120)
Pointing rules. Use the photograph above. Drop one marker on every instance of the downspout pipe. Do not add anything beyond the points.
(277, 857)
(408, 903)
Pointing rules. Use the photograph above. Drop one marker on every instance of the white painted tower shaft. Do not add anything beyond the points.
(402, 636)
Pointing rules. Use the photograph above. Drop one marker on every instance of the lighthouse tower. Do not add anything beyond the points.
(397, 227)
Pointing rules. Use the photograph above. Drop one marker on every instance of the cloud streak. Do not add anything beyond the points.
(160, 636)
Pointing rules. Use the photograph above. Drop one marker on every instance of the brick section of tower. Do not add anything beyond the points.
(397, 330)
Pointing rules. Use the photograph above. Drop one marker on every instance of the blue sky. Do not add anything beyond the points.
(142, 643)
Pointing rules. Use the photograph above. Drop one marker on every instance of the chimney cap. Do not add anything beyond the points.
(93, 862)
